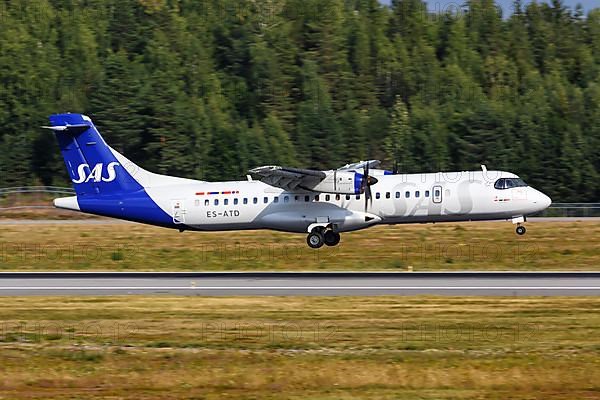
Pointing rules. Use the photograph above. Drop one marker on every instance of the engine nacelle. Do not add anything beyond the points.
(340, 182)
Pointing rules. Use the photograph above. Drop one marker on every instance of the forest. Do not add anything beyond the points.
(209, 89)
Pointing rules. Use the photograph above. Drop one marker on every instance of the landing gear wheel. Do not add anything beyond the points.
(521, 230)
(331, 238)
(315, 239)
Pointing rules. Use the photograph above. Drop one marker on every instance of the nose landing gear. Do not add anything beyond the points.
(320, 236)
(520, 228)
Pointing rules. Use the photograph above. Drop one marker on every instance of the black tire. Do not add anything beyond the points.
(331, 238)
(521, 230)
(315, 239)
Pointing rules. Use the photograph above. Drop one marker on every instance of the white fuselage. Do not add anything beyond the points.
(396, 199)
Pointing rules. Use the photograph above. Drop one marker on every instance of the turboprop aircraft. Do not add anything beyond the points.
(321, 204)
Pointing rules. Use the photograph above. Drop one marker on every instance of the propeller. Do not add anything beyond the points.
(366, 183)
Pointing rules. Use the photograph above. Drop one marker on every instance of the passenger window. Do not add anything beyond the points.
(317, 198)
(347, 197)
(358, 197)
(397, 195)
(337, 197)
(437, 193)
(225, 202)
(417, 193)
(206, 202)
(327, 197)
(266, 200)
(255, 200)
(307, 198)
(235, 201)
(407, 195)
(216, 202)
(245, 200)
(297, 198)
(387, 195)
(276, 199)
(427, 193)
(286, 199)
(377, 195)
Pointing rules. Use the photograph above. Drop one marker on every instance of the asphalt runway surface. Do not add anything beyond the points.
(301, 283)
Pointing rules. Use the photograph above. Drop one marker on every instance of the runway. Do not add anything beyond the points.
(302, 284)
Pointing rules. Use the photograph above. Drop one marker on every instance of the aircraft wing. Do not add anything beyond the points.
(360, 165)
(288, 178)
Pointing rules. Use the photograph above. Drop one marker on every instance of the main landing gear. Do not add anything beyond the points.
(320, 236)
(520, 230)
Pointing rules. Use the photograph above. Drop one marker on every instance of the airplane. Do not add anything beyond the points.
(321, 204)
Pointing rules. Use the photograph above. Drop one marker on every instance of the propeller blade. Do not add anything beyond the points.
(363, 183)
(367, 188)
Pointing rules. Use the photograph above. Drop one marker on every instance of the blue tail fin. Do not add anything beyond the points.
(92, 164)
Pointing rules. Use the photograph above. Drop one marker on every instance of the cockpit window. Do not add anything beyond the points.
(508, 183)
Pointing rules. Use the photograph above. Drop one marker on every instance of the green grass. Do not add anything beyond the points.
(481, 246)
(299, 348)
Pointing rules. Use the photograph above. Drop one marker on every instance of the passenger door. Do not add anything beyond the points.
(436, 194)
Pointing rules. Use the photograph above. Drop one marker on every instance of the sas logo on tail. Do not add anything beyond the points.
(96, 173)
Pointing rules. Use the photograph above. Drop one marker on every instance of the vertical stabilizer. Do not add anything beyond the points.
(91, 163)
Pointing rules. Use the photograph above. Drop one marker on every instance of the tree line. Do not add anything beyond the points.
(209, 89)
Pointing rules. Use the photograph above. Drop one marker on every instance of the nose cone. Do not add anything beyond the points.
(546, 201)
(540, 200)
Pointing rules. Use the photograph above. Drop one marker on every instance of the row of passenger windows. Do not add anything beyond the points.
(308, 198)
(245, 200)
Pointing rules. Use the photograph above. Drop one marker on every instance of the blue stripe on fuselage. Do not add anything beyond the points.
(137, 206)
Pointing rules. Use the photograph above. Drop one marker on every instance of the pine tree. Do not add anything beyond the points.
(168, 144)
(280, 145)
(318, 131)
(398, 142)
(116, 106)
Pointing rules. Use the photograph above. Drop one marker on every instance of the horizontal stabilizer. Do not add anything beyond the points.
(72, 129)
